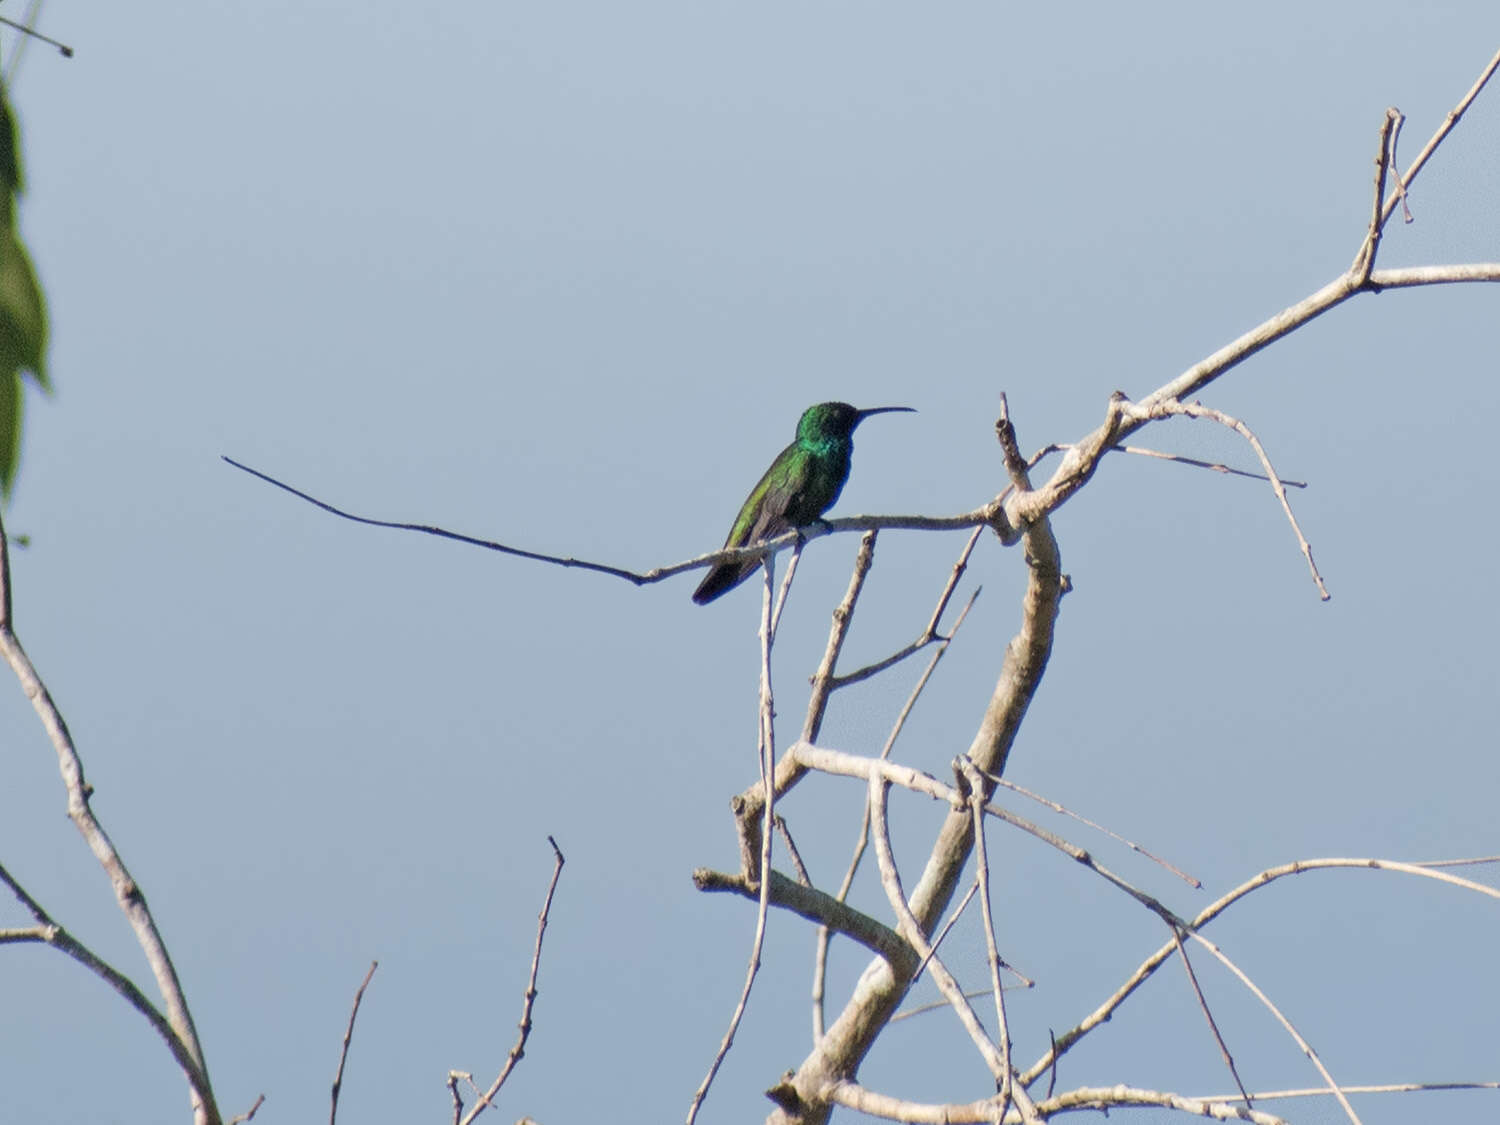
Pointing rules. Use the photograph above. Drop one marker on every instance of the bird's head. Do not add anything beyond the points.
(832, 421)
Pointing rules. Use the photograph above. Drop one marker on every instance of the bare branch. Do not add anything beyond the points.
(854, 1096)
(518, 1051)
(816, 906)
(132, 902)
(338, 1077)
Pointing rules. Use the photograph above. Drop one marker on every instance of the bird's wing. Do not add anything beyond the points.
(780, 491)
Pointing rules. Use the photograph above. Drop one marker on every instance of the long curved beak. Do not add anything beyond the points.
(861, 415)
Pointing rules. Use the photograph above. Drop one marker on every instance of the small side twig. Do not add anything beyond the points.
(937, 942)
(1364, 261)
(929, 634)
(249, 1114)
(519, 1049)
(974, 779)
(338, 1077)
(1399, 193)
(1280, 1018)
(1065, 811)
(1168, 407)
(1213, 1025)
(1175, 458)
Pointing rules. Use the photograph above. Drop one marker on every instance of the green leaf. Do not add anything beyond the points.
(23, 310)
(11, 403)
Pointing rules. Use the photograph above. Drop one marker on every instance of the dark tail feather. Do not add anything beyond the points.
(723, 578)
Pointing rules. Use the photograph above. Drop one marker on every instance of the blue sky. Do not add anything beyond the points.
(565, 277)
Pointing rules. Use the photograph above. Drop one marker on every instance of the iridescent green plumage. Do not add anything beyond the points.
(802, 483)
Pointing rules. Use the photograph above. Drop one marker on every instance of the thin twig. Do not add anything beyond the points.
(1198, 410)
(766, 745)
(1364, 261)
(929, 634)
(519, 1049)
(791, 850)
(962, 521)
(838, 629)
(338, 1077)
(786, 585)
(937, 942)
(62, 48)
(1055, 807)
(1142, 451)
(1213, 1025)
(249, 1114)
(1386, 1088)
(1437, 138)
(1458, 862)
(452, 1084)
(975, 781)
(938, 1005)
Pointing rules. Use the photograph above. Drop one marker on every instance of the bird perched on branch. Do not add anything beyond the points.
(802, 483)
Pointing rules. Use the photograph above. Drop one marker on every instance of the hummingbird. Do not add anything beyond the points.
(802, 483)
